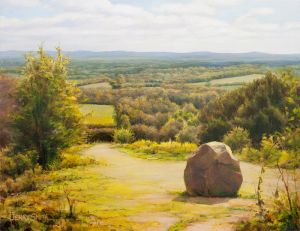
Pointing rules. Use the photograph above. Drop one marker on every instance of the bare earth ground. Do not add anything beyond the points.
(160, 184)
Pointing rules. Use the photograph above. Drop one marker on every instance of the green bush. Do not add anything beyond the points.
(250, 154)
(48, 119)
(12, 224)
(170, 130)
(282, 215)
(215, 130)
(104, 134)
(74, 160)
(24, 183)
(188, 134)
(72, 157)
(164, 150)
(123, 136)
(142, 131)
(237, 139)
(262, 107)
(270, 150)
(12, 165)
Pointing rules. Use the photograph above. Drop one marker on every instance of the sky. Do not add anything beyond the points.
(271, 26)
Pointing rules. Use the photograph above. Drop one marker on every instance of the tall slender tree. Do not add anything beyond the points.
(48, 119)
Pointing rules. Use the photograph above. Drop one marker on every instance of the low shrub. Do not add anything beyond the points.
(123, 136)
(13, 165)
(170, 130)
(188, 134)
(283, 215)
(72, 157)
(237, 139)
(163, 148)
(7, 107)
(250, 154)
(284, 211)
(272, 153)
(142, 131)
(11, 224)
(24, 183)
(74, 160)
(214, 130)
(97, 134)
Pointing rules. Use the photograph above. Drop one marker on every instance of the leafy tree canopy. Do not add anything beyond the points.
(262, 107)
(48, 119)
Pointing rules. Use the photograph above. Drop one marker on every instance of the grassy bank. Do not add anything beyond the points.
(161, 151)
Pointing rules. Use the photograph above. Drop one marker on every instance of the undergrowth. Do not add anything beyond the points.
(165, 150)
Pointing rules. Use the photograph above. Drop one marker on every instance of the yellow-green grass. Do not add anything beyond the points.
(110, 197)
(147, 149)
(103, 85)
(235, 80)
(99, 200)
(229, 83)
(199, 84)
(100, 115)
(102, 203)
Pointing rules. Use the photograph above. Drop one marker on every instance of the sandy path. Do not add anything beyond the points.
(158, 178)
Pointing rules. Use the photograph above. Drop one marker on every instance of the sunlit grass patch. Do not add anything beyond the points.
(238, 79)
(229, 83)
(247, 192)
(103, 85)
(190, 213)
(165, 150)
(98, 114)
(98, 199)
(116, 202)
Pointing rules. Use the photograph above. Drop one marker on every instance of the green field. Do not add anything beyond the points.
(239, 79)
(103, 85)
(229, 83)
(98, 114)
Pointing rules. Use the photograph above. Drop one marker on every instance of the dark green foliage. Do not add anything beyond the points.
(14, 224)
(96, 134)
(13, 165)
(160, 114)
(237, 139)
(188, 134)
(170, 130)
(49, 119)
(146, 132)
(215, 130)
(259, 107)
(7, 106)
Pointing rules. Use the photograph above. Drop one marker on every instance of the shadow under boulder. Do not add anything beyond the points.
(213, 171)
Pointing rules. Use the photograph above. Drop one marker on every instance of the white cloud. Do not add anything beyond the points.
(224, 3)
(18, 3)
(194, 7)
(292, 25)
(191, 26)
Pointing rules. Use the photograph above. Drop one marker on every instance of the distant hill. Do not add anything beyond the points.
(203, 57)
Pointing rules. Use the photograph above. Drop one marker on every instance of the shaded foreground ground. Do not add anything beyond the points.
(149, 195)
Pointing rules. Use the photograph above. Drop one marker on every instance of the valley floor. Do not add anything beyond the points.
(149, 194)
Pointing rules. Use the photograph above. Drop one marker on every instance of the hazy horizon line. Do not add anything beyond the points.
(171, 52)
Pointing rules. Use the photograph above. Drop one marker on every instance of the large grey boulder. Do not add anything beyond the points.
(213, 171)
